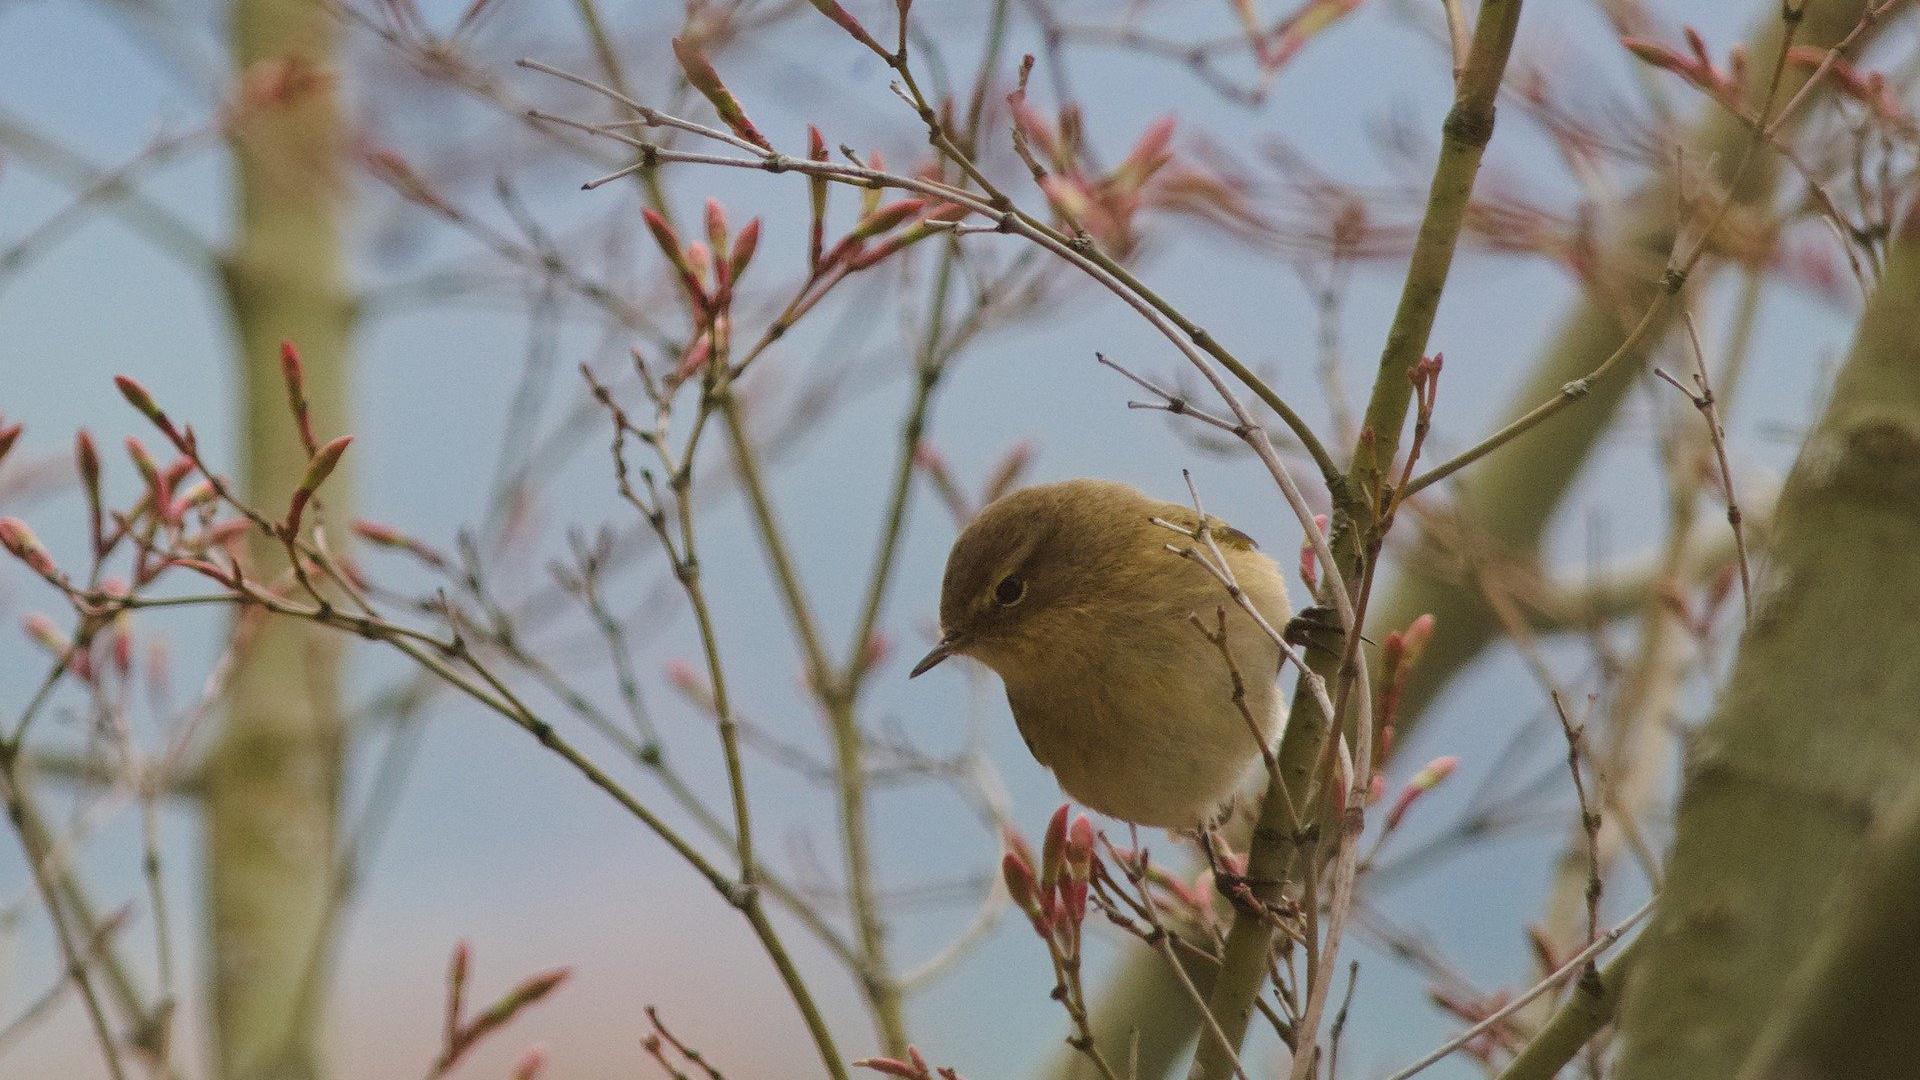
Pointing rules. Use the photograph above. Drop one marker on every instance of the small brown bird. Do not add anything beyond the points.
(1069, 593)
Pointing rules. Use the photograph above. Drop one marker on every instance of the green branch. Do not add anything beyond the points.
(1277, 837)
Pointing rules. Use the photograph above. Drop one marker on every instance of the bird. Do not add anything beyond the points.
(1083, 604)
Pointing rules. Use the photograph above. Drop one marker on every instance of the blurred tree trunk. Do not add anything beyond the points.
(273, 775)
(1815, 733)
(1863, 977)
(1507, 500)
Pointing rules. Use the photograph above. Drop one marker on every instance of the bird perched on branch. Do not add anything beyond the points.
(1097, 608)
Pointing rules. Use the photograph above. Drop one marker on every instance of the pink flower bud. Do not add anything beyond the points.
(887, 217)
(86, 459)
(41, 631)
(1053, 851)
(23, 545)
(318, 469)
(744, 246)
(123, 646)
(699, 260)
(1418, 633)
(1021, 888)
(138, 397)
(1429, 777)
(702, 76)
(716, 218)
(1309, 559)
(531, 1064)
(891, 1067)
(684, 678)
(294, 375)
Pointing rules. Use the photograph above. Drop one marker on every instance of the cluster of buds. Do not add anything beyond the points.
(915, 218)
(322, 459)
(1869, 88)
(1399, 652)
(1054, 898)
(1104, 206)
(1726, 86)
(174, 521)
(913, 1068)
(707, 271)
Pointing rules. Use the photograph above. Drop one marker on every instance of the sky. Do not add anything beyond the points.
(495, 842)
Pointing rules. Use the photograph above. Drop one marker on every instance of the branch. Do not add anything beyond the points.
(1579, 1018)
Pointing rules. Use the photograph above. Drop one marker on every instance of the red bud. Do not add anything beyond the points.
(744, 244)
(1021, 887)
(702, 76)
(1053, 851)
(295, 376)
(318, 469)
(1429, 777)
(531, 1064)
(23, 545)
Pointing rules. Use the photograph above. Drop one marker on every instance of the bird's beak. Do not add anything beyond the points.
(947, 647)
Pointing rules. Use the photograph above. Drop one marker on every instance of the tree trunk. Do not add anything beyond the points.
(1853, 1013)
(1815, 732)
(273, 775)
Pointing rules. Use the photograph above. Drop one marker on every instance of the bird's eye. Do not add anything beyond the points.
(1010, 591)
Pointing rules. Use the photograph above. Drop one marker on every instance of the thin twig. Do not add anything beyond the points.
(1560, 975)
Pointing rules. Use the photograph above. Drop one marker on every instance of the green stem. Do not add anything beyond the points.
(1276, 838)
(877, 982)
(927, 372)
(1468, 128)
(1588, 1008)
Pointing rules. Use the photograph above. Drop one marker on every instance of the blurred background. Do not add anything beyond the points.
(469, 415)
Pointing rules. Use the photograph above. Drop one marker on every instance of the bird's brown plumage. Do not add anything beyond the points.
(1068, 592)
